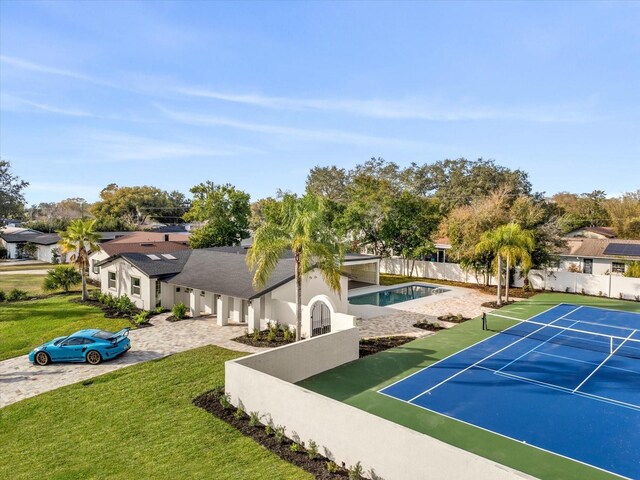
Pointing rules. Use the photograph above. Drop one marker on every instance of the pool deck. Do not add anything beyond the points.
(398, 319)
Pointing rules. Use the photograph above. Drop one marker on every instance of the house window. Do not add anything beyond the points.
(135, 286)
(94, 266)
(112, 280)
(158, 293)
(617, 267)
(587, 266)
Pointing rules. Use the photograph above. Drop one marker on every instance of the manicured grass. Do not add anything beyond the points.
(24, 325)
(31, 283)
(356, 384)
(138, 422)
(33, 266)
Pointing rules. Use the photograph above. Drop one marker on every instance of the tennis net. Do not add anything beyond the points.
(617, 340)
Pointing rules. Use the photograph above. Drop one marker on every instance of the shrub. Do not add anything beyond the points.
(159, 310)
(96, 295)
(124, 304)
(582, 291)
(356, 472)
(287, 335)
(633, 269)
(141, 317)
(16, 294)
(256, 335)
(62, 276)
(332, 467)
(312, 450)
(239, 413)
(254, 419)
(271, 335)
(3, 297)
(268, 429)
(225, 401)
(179, 310)
(296, 447)
(3, 253)
(279, 433)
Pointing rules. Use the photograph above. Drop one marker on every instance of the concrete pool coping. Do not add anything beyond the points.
(370, 311)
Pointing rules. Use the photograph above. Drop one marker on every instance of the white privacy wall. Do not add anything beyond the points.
(263, 383)
(613, 286)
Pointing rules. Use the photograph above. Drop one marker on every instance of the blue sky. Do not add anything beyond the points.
(255, 94)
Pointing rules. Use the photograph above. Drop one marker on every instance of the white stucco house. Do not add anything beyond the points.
(216, 281)
(14, 239)
(137, 242)
(598, 256)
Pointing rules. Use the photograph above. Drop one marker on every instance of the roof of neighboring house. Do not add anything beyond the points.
(20, 235)
(607, 232)
(595, 247)
(114, 247)
(153, 265)
(138, 237)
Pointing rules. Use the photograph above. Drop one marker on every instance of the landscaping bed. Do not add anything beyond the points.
(369, 346)
(275, 335)
(430, 326)
(272, 437)
(493, 304)
(451, 318)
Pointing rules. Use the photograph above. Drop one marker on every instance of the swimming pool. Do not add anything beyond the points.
(393, 295)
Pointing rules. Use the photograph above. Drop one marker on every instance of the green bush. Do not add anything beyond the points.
(225, 401)
(356, 472)
(271, 335)
(96, 295)
(3, 297)
(141, 317)
(254, 419)
(296, 447)
(159, 310)
(288, 337)
(16, 294)
(179, 310)
(124, 304)
(62, 276)
(279, 433)
(312, 450)
(332, 467)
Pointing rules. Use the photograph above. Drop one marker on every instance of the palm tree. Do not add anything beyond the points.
(80, 238)
(516, 247)
(300, 226)
(509, 243)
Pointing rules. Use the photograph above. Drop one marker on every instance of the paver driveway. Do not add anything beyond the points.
(20, 379)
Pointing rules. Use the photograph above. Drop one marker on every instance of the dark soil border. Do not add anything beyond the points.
(429, 326)
(494, 304)
(371, 346)
(210, 402)
(247, 339)
(451, 318)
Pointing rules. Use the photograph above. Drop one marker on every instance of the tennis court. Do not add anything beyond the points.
(566, 381)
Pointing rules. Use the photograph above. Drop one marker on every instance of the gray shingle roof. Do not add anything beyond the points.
(153, 268)
(31, 236)
(225, 272)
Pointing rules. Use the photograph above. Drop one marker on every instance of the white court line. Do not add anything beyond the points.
(505, 436)
(470, 346)
(482, 360)
(604, 361)
(589, 363)
(552, 386)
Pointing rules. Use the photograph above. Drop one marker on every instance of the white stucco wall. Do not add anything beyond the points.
(124, 271)
(346, 434)
(96, 257)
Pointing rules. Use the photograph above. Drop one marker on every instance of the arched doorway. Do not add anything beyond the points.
(320, 319)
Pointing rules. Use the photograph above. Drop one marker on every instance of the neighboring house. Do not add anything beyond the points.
(598, 256)
(137, 242)
(593, 232)
(14, 239)
(216, 281)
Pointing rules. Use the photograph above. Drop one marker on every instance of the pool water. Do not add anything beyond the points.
(395, 295)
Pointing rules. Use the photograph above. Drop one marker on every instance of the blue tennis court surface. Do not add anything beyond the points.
(567, 382)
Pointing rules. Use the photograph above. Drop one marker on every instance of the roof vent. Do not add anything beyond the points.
(168, 256)
(153, 257)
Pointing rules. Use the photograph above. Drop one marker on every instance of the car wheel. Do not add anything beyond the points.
(42, 359)
(93, 357)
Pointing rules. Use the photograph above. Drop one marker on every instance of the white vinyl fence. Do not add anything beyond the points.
(612, 286)
(263, 382)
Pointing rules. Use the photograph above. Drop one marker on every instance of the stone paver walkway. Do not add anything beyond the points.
(401, 321)
(20, 379)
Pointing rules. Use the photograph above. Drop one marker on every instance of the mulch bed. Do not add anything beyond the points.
(432, 327)
(262, 341)
(494, 304)
(210, 401)
(369, 346)
(453, 318)
(109, 312)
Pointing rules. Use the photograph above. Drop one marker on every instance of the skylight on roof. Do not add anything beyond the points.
(153, 257)
(168, 256)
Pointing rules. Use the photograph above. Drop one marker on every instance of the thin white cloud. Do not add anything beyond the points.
(409, 108)
(333, 136)
(13, 103)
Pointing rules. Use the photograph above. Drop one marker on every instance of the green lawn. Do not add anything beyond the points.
(31, 283)
(32, 266)
(24, 325)
(138, 422)
(356, 384)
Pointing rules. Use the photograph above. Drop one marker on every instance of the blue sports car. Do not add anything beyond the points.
(91, 346)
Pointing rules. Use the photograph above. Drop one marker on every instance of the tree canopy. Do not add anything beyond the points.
(11, 193)
(224, 212)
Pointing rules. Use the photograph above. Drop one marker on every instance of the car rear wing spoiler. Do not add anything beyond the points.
(122, 333)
